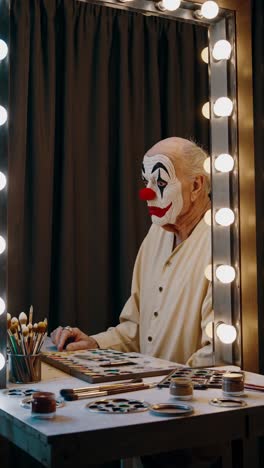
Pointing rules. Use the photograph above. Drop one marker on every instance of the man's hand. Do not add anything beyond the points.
(78, 339)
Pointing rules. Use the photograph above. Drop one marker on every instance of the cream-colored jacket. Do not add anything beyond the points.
(170, 302)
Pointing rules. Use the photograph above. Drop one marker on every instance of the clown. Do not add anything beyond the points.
(171, 302)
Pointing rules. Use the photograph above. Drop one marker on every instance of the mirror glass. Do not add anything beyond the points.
(92, 88)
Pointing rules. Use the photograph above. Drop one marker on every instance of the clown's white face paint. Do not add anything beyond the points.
(158, 173)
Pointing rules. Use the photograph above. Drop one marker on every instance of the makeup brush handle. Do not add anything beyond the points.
(83, 396)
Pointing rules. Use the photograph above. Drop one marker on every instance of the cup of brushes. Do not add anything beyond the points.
(25, 340)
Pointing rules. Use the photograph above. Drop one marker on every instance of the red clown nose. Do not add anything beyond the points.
(147, 194)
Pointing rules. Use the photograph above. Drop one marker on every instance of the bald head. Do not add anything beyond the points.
(183, 154)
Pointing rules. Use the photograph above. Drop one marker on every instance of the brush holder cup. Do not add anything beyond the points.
(24, 368)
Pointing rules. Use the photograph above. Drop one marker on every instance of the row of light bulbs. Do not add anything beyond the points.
(222, 107)
(3, 119)
(208, 10)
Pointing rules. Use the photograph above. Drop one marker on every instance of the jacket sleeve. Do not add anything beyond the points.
(204, 355)
(125, 336)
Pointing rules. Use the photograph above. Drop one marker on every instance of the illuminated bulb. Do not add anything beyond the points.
(222, 50)
(223, 107)
(2, 244)
(3, 49)
(2, 361)
(2, 180)
(225, 217)
(209, 329)
(205, 55)
(3, 115)
(208, 272)
(226, 333)
(207, 165)
(208, 220)
(2, 306)
(206, 110)
(209, 10)
(225, 273)
(169, 5)
(224, 163)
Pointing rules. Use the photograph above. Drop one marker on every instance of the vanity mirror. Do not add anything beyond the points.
(230, 133)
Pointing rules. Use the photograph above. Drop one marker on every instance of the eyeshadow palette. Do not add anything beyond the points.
(202, 378)
(20, 392)
(106, 365)
(117, 406)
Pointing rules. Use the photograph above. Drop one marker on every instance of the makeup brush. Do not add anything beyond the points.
(25, 332)
(30, 319)
(84, 395)
(74, 391)
(22, 318)
(8, 318)
(41, 328)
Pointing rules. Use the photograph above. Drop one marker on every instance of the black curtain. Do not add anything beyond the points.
(258, 82)
(91, 89)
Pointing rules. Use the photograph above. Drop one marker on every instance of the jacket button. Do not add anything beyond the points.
(156, 314)
(160, 288)
(149, 338)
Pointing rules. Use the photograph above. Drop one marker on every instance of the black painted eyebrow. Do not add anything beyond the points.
(160, 165)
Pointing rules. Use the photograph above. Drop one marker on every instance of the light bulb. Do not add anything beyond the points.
(2, 180)
(3, 49)
(169, 5)
(224, 217)
(3, 115)
(222, 50)
(208, 218)
(205, 55)
(2, 361)
(224, 163)
(209, 329)
(2, 306)
(225, 273)
(206, 110)
(2, 245)
(209, 10)
(207, 165)
(223, 107)
(226, 333)
(208, 272)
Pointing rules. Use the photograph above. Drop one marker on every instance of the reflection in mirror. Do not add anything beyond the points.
(92, 89)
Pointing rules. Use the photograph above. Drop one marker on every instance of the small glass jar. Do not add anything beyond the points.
(233, 384)
(181, 388)
(43, 405)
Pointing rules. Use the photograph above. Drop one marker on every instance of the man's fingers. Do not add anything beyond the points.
(78, 345)
(64, 336)
(55, 335)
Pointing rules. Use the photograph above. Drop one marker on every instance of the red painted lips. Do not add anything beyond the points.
(159, 212)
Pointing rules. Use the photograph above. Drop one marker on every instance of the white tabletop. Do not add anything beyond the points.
(74, 418)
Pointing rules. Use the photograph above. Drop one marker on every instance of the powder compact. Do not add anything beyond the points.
(43, 405)
(227, 403)
(181, 388)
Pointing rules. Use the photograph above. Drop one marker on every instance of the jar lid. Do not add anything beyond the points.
(181, 382)
(232, 376)
(40, 396)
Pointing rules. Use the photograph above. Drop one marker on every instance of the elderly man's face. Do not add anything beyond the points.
(158, 173)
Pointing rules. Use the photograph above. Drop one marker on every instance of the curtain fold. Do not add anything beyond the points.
(91, 89)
